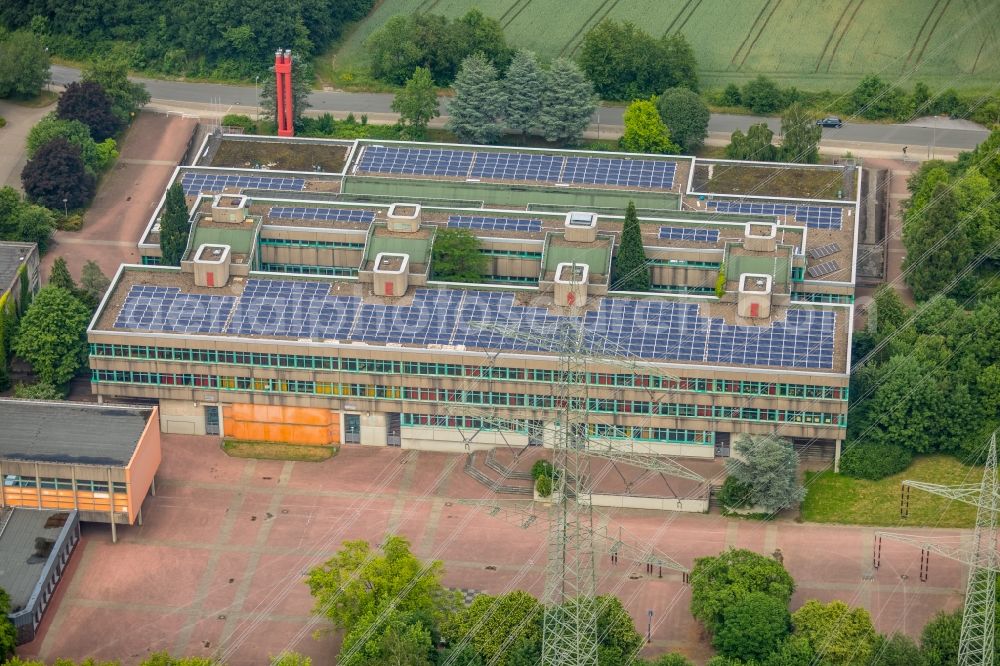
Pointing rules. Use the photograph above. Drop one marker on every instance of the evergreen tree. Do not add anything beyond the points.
(800, 136)
(60, 276)
(630, 272)
(568, 102)
(174, 226)
(417, 102)
(937, 246)
(769, 466)
(523, 88)
(93, 281)
(645, 131)
(478, 102)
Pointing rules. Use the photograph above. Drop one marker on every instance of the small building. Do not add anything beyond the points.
(94, 459)
(35, 547)
(18, 264)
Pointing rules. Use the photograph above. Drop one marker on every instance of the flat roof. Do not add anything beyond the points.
(69, 433)
(21, 563)
(660, 329)
(12, 255)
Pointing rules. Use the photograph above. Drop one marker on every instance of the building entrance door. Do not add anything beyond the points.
(722, 445)
(392, 430)
(212, 420)
(352, 428)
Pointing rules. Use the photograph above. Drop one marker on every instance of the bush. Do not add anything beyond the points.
(541, 468)
(239, 120)
(39, 391)
(734, 494)
(874, 461)
(72, 223)
(762, 96)
(543, 486)
(3, 121)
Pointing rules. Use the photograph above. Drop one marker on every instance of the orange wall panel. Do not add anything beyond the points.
(142, 467)
(275, 423)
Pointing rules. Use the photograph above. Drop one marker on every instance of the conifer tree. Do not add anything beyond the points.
(174, 227)
(523, 88)
(60, 276)
(478, 104)
(568, 102)
(630, 272)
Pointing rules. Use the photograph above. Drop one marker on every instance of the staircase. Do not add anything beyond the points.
(499, 484)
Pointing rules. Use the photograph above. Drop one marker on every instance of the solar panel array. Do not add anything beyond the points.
(494, 223)
(659, 330)
(168, 309)
(824, 250)
(196, 183)
(825, 268)
(689, 234)
(331, 214)
(538, 167)
(816, 217)
(417, 161)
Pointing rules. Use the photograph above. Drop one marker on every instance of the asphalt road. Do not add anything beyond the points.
(915, 135)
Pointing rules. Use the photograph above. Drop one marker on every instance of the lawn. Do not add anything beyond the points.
(811, 45)
(277, 451)
(834, 498)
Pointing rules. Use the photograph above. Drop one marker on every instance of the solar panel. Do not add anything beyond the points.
(654, 174)
(517, 166)
(690, 234)
(415, 161)
(296, 309)
(331, 214)
(156, 308)
(824, 250)
(196, 183)
(825, 268)
(494, 223)
(816, 217)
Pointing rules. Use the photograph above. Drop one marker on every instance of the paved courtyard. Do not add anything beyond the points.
(217, 567)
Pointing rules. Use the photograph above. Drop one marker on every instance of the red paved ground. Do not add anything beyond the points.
(126, 197)
(217, 568)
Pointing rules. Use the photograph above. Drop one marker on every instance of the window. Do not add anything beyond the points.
(51, 483)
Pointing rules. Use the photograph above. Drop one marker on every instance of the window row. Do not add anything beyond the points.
(491, 398)
(376, 366)
(297, 242)
(53, 483)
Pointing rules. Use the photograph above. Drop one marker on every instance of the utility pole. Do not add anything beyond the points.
(976, 642)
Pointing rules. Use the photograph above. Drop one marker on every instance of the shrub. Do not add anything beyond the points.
(72, 223)
(244, 122)
(543, 485)
(541, 468)
(39, 391)
(874, 461)
(3, 121)
(734, 494)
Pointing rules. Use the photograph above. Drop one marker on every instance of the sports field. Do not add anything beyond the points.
(813, 45)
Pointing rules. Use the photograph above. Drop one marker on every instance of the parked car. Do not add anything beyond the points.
(830, 121)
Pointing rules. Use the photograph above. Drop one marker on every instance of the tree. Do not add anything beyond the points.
(617, 638)
(60, 277)
(456, 256)
(164, 659)
(874, 99)
(645, 131)
(174, 226)
(302, 77)
(24, 65)
(291, 659)
(669, 659)
(522, 89)
(937, 247)
(568, 102)
(686, 116)
(8, 634)
(477, 105)
(752, 627)
(887, 313)
(754, 145)
(417, 102)
(400, 639)
(718, 582)
(794, 651)
(800, 136)
(56, 177)
(762, 96)
(492, 624)
(52, 336)
(896, 650)
(86, 102)
(357, 585)
(769, 466)
(839, 635)
(34, 224)
(93, 282)
(939, 639)
(111, 73)
(51, 127)
(630, 271)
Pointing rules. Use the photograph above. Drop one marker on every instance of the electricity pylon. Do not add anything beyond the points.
(569, 623)
(975, 647)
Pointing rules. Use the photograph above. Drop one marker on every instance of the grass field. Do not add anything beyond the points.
(811, 45)
(276, 451)
(834, 498)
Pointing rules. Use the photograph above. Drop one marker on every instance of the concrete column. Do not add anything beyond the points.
(3, 488)
(152, 486)
(111, 496)
(836, 456)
